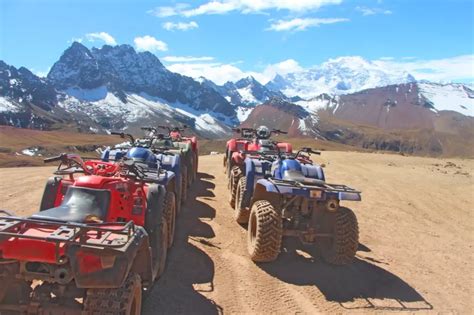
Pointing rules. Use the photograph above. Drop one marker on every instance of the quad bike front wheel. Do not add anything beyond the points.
(184, 186)
(126, 300)
(265, 232)
(342, 247)
(170, 215)
(242, 198)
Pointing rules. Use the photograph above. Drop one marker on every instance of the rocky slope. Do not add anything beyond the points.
(110, 88)
(404, 118)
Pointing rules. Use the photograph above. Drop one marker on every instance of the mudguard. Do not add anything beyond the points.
(255, 169)
(170, 163)
(165, 178)
(285, 147)
(108, 268)
(237, 158)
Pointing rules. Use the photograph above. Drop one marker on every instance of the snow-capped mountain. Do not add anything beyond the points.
(244, 94)
(110, 88)
(412, 117)
(342, 75)
(122, 70)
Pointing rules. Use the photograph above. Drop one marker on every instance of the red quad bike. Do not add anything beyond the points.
(100, 242)
(252, 140)
(186, 144)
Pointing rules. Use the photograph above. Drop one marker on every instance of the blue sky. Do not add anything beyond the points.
(232, 38)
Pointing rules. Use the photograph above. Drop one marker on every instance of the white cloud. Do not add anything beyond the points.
(281, 68)
(216, 72)
(168, 11)
(243, 6)
(103, 36)
(181, 26)
(301, 24)
(372, 11)
(436, 70)
(186, 58)
(149, 43)
(220, 73)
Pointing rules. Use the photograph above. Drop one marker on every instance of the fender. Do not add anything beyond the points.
(108, 268)
(265, 191)
(166, 178)
(255, 169)
(232, 145)
(237, 158)
(285, 147)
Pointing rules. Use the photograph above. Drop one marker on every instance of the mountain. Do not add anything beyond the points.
(244, 94)
(112, 88)
(342, 75)
(423, 118)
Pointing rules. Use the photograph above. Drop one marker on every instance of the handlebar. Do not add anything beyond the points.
(54, 158)
(122, 135)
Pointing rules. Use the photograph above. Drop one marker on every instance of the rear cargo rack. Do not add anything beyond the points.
(326, 187)
(69, 233)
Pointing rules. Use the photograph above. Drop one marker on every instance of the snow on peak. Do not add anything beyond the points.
(342, 75)
(452, 97)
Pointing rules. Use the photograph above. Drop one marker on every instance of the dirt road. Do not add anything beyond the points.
(416, 234)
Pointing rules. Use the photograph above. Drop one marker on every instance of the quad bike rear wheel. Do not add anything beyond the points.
(126, 300)
(265, 231)
(157, 228)
(235, 175)
(170, 215)
(195, 164)
(242, 199)
(184, 186)
(159, 248)
(190, 173)
(342, 247)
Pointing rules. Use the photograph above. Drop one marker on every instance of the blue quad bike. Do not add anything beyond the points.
(285, 194)
(167, 166)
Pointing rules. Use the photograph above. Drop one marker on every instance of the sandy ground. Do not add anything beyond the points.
(416, 234)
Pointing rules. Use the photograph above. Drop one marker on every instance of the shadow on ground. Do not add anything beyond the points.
(188, 265)
(355, 286)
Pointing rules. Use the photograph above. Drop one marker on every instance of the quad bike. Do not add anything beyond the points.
(255, 140)
(175, 181)
(285, 194)
(103, 242)
(189, 147)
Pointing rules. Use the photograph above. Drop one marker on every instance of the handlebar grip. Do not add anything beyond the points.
(116, 133)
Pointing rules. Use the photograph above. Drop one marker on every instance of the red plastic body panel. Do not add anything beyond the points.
(285, 147)
(234, 145)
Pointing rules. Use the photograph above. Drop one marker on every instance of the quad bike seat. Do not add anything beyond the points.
(80, 204)
(298, 176)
